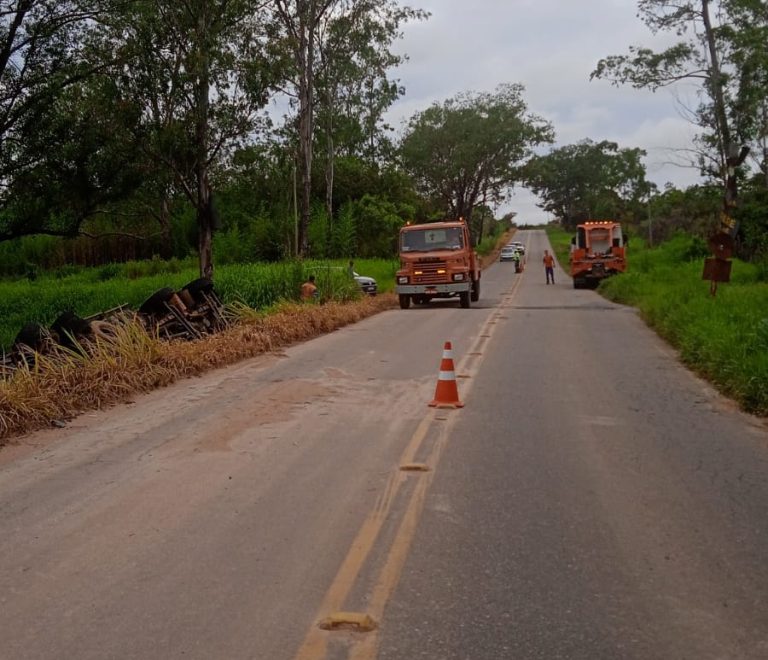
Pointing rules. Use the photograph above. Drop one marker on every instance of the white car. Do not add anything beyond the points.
(507, 253)
(367, 284)
(519, 246)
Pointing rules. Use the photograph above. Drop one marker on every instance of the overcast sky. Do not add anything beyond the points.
(551, 47)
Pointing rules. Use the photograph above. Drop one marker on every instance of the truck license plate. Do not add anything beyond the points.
(431, 290)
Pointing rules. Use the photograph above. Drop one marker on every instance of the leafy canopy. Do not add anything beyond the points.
(587, 180)
(469, 150)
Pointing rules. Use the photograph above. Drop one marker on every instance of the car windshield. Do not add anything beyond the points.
(425, 240)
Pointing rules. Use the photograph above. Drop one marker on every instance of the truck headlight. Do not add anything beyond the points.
(458, 277)
(402, 279)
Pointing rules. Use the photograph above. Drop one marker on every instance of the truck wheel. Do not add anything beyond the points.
(405, 301)
(464, 298)
(576, 283)
(475, 291)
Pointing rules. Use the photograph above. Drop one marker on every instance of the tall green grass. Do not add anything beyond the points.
(724, 338)
(89, 291)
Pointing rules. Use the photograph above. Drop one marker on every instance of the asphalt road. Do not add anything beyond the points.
(592, 500)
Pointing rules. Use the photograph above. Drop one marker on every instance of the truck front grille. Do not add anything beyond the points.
(429, 274)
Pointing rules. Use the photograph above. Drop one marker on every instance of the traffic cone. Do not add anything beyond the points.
(446, 393)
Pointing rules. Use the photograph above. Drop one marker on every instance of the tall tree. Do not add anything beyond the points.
(310, 31)
(469, 150)
(198, 76)
(702, 53)
(587, 180)
(354, 90)
(299, 22)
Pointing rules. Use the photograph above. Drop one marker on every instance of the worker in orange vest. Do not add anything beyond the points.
(549, 266)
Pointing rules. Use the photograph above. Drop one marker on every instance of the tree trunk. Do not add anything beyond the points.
(764, 140)
(306, 84)
(371, 124)
(165, 227)
(731, 156)
(329, 164)
(203, 200)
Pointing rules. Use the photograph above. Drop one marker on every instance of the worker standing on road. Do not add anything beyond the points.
(309, 289)
(549, 266)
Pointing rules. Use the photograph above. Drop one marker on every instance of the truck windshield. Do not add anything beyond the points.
(600, 240)
(425, 240)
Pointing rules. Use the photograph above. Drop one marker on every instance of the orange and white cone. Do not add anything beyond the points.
(446, 393)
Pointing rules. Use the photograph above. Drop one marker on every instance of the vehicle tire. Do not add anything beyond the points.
(475, 291)
(198, 287)
(576, 284)
(153, 306)
(104, 330)
(33, 336)
(70, 328)
(405, 301)
(464, 298)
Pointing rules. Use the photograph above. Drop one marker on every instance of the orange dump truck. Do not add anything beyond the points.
(597, 251)
(437, 261)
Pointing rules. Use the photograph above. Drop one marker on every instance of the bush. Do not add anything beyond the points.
(108, 272)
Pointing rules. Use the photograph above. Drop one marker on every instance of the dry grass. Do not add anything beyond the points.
(65, 384)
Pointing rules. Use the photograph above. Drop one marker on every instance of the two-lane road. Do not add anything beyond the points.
(592, 500)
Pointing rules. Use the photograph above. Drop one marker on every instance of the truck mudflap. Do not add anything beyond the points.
(432, 289)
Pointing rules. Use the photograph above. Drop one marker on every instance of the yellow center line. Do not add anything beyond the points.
(315, 644)
(366, 647)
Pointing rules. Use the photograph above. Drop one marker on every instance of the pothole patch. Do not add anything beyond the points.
(354, 621)
(414, 467)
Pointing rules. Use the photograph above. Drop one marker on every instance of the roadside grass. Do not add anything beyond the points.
(64, 384)
(261, 297)
(725, 338)
(89, 291)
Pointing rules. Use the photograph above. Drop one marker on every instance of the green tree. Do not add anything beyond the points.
(588, 180)
(377, 223)
(693, 211)
(323, 39)
(753, 220)
(708, 51)
(45, 49)
(199, 77)
(746, 37)
(469, 150)
(80, 161)
(354, 90)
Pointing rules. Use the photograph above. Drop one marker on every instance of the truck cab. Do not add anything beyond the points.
(437, 260)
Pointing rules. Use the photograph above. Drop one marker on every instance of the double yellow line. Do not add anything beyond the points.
(365, 647)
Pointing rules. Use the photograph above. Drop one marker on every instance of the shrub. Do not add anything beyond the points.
(108, 272)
